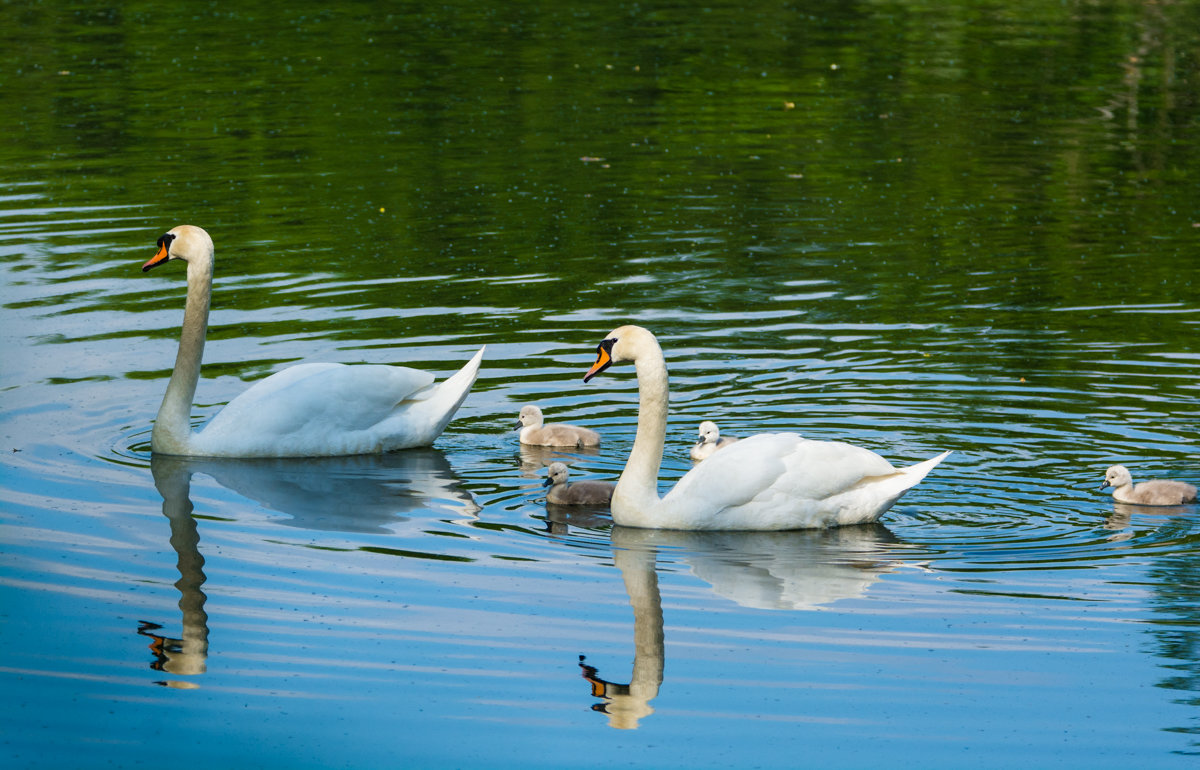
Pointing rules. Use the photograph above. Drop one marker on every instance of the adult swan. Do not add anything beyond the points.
(307, 410)
(765, 482)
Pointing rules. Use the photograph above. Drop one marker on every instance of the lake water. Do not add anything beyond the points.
(911, 227)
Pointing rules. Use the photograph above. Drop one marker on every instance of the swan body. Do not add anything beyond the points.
(578, 493)
(536, 432)
(307, 410)
(1148, 492)
(770, 481)
(710, 441)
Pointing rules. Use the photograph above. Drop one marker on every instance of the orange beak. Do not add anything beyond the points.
(603, 361)
(157, 259)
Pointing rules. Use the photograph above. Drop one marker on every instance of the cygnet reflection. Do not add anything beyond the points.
(534, 459)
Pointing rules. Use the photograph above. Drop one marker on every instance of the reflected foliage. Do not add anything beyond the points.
(1041, 142)
(1177, 639)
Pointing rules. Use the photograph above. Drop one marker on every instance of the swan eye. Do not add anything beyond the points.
(604, 349)
(164, 252)
(603, 358)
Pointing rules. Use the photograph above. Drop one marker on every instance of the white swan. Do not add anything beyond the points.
(535, 432)
(307, 410)
(766, 482)
(1148, 492)
(587, 492)
(710, 441)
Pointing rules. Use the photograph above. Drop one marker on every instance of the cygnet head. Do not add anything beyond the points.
(1116, 476)
(624, 343)
(709, 433)
(186, 242)
(530, 416)
(556, 474)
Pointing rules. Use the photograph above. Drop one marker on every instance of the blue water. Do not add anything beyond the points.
(911, 229)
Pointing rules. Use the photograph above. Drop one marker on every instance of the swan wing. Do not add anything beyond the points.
(322, 410)
(311, 409)
(349, 397)
(422, 417)
(781, 481)
(779, 464)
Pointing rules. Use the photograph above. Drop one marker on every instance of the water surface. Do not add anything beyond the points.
(912, 228)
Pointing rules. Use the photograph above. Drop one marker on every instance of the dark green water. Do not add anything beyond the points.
(909, 226)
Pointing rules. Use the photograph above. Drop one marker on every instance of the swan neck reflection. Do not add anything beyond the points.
(626, 704)
(804, 570)
(188, 654)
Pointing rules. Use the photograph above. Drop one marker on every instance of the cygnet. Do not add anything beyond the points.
(534, 432)
(1148, 492)
(579, 493)
(710, 441)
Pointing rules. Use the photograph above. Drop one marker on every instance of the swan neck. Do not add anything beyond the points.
(638, 486)
(172, 428)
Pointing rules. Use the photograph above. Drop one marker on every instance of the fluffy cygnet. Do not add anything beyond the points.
(534, 432)
(1148, 492)
(710, 441)
(579, 493)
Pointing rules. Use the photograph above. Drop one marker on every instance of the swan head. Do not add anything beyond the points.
(530, 416)
(555, 474)
(1116, 476)
(709, 433)
(186, 242)
(622, 344)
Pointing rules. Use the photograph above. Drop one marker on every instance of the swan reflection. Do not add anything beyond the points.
(348, 494)
(800, 570)
(188, 654)
(361, 493)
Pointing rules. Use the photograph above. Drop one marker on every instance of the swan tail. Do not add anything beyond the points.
(907, 478)
(433, 407)
(884, 491)
(914, 473)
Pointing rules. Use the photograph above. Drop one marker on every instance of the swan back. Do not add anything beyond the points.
(325, 409)
(777, 481)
